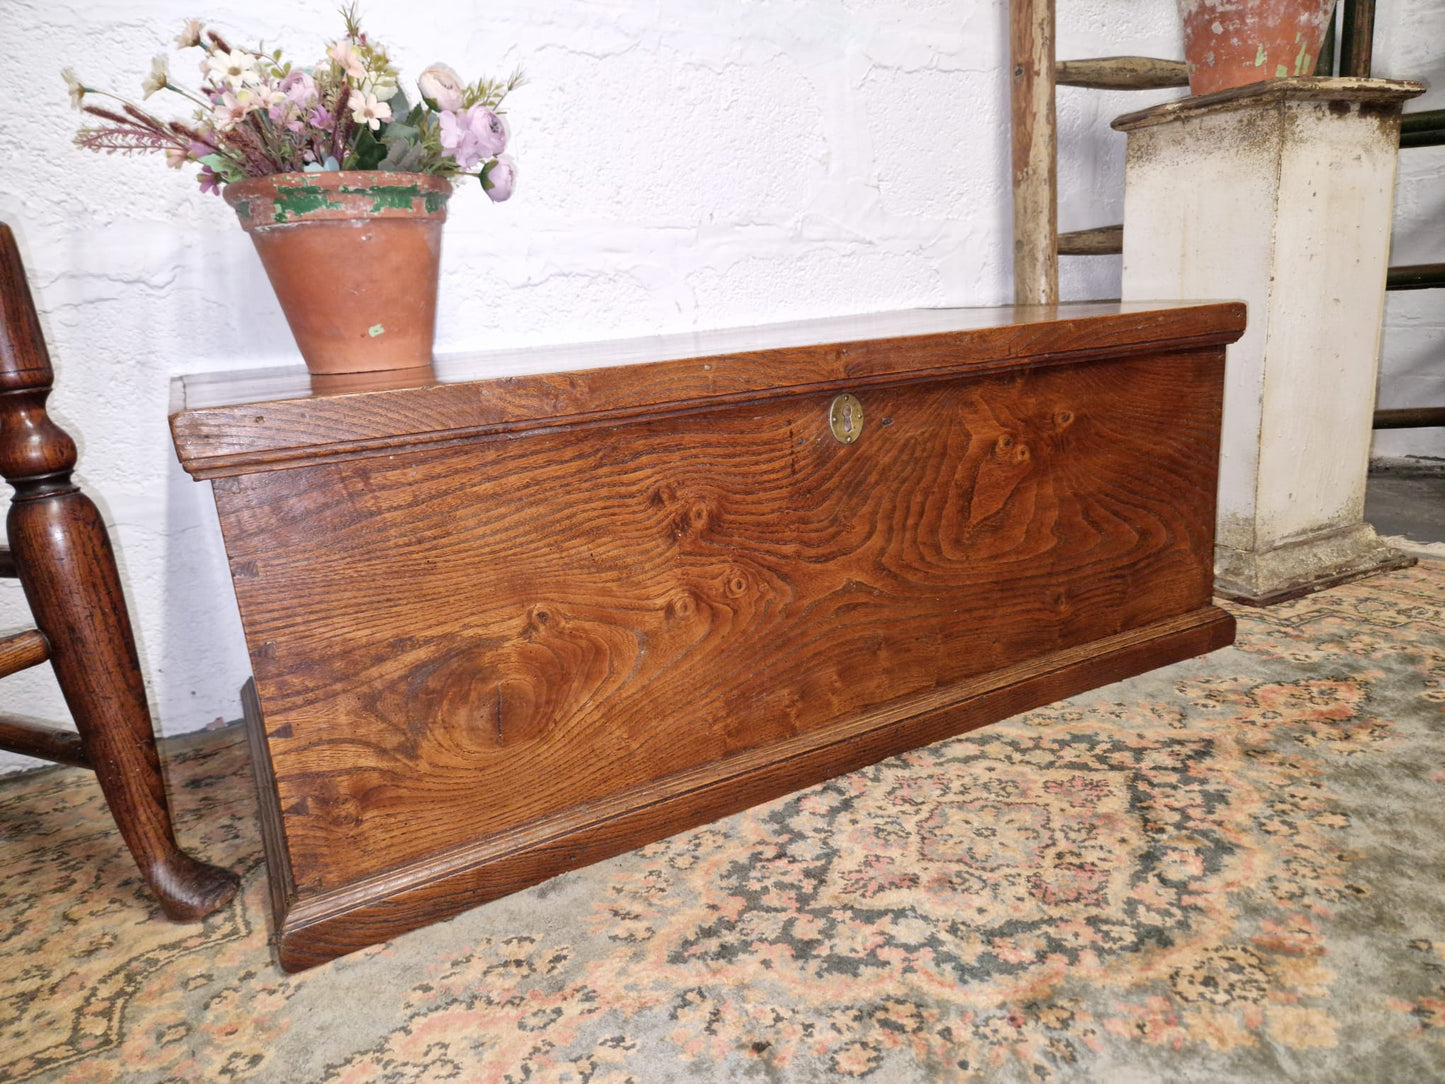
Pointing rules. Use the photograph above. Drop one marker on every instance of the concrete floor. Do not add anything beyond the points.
(1408, 504)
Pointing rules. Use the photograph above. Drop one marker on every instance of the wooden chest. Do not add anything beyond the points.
(501, 628)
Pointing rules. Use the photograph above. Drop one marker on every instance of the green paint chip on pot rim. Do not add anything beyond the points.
(385, 197)
(301, 200)
(375, 329)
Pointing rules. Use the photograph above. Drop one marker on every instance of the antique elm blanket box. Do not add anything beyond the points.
(504, 627)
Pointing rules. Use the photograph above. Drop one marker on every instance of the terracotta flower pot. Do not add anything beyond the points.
(353, 258)
(1231, 43)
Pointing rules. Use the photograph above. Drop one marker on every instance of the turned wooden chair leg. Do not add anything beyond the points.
(61, 553)
(71, 583)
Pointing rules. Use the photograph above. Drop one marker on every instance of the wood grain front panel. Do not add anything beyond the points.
(450, 642)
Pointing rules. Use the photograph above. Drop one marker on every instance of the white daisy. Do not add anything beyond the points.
(236, 69)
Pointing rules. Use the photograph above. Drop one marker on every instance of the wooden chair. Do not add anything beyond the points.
(61, 554)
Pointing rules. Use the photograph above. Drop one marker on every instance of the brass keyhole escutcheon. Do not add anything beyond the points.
(845, 418)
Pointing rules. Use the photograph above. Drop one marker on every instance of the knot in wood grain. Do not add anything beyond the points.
(330, 803)
(737, 583)
(680, 606)
(693, 520)
(483, 696)
(539, 620)
(692, 515)
(1009, 449)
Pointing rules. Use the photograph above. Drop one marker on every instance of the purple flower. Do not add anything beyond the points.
(498, 179)
(472, 136)
(210, 180)
(299, 87)
(282, 109)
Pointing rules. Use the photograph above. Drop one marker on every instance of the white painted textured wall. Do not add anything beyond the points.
(683, 164)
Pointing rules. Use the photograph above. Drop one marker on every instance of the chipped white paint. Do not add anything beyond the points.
(1282, 199)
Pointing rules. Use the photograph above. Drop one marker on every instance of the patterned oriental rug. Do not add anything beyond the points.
(1226, 870)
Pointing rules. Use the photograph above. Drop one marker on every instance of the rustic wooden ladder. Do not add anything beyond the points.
(1035, 74)
(1422, 128)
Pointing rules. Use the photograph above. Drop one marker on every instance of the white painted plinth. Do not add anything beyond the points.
(1279, 194)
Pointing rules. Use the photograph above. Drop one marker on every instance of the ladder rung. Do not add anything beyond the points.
(1100, 241)
(1410, 418)
(22, 651)
(1420, 276)
(1121, 73)
(1423, 128)
(33, 740)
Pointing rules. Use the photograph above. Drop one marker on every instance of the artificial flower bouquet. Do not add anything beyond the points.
(255, 115)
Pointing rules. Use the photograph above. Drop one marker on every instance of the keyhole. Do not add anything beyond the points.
(845, 418)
